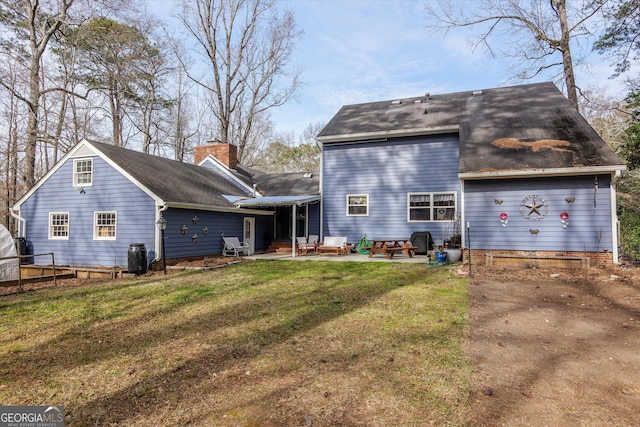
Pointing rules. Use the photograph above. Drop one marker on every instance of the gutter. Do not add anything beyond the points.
(511, 173)
(364, 136)
(217, 208)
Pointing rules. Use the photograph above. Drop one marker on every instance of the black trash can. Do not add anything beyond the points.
(137, 258)
(22, 246)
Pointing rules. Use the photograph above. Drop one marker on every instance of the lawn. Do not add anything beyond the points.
(267, 343)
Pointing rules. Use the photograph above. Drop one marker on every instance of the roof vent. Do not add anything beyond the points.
(396, 102)
(477, 93)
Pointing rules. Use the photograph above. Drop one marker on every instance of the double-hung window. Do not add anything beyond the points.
(431, 207)
(59, 225)
(104, 225)
(82, 172)
(357, 204)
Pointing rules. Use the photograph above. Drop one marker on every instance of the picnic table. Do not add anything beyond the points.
(389, 247)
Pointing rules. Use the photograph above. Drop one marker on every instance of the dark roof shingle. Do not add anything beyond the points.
(185, 183)
(523, 127)
(170, 180)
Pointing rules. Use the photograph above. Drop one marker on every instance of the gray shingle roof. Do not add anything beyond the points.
(170, 180)
(284, 184)
(185, 183)
(525, 127)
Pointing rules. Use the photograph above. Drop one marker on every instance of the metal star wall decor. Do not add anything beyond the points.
(533, 208)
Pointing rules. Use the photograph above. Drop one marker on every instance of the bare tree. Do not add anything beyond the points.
(40, 21)
(539, 32)
(246, 45)
(608, 116)
(12, 125)
(283, 154)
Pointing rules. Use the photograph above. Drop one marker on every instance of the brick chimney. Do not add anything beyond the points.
(226, 153)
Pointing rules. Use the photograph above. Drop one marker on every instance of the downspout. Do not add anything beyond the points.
(22, 221)
(615, 177)
(158, 243)
(320, 146)
(463, 235)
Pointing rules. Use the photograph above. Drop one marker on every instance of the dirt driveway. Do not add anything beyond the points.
(556, 347)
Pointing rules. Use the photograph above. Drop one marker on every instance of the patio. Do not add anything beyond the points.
(353, 257)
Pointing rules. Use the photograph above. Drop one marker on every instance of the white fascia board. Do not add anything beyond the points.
(363, 136)
(224, 169)
(208, 208)
(533, 173)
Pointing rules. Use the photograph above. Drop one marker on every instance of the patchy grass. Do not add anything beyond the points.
(259, 344)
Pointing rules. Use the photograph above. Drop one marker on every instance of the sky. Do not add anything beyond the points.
(356, 51)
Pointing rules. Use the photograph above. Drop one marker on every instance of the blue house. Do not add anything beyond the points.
(99, 199)
(517, 167)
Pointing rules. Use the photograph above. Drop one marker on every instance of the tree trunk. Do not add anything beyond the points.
(114, 103)
(8, 169)
(40, 32)
(32, 120)
(567, 62)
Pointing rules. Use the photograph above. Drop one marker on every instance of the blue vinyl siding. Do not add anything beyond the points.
(589, 226)
(313, 219)
(178, 245)
(110, 191)
(386, 171)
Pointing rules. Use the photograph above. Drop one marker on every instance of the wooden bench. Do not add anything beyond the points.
(407, 250)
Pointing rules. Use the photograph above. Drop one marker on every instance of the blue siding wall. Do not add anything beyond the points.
(110, 192)
(178, 245)
(387, 171)
(589, 226)
(313, 219)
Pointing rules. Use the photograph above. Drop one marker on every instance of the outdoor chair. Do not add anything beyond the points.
(233, 246)
(305, 246)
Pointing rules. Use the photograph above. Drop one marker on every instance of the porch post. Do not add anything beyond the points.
(293, 230)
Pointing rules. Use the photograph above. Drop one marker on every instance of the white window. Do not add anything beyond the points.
(82, 172)
(104, 226)
(357, 204)
(431, 207)
(59, 225)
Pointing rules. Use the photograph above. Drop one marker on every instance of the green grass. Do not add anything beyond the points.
(262, 343)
